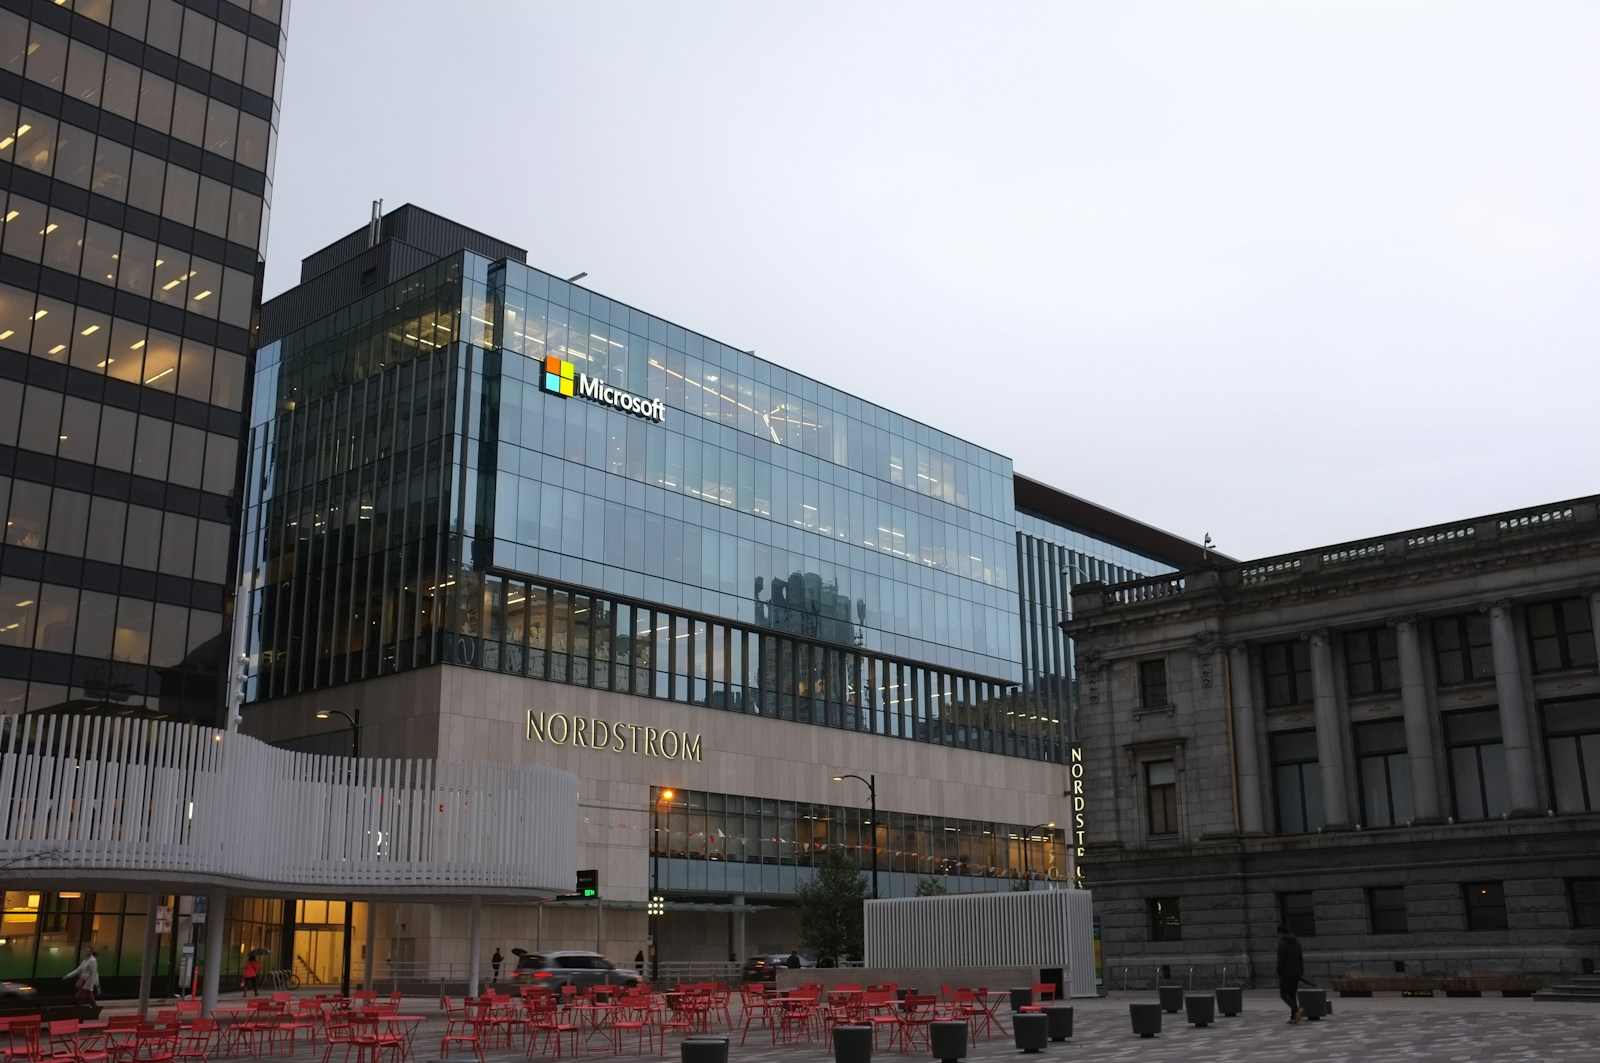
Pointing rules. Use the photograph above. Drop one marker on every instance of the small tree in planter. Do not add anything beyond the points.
(830, 906)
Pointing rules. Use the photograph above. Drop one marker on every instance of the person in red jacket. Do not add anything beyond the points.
(252, 971)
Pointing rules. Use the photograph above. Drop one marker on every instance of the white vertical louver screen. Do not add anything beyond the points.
(94, 794)
(1041, 930)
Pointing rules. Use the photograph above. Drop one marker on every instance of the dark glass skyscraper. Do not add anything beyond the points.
(135, 177)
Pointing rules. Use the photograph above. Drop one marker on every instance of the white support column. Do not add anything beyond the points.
(216, 917)
(147, 963)
(369, 966)
(737, 945)
(1515, 731)
(1419, 735)
(475, 944)
(1244, 740)
(1330, 735)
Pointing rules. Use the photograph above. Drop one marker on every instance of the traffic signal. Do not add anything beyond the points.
(589, 883)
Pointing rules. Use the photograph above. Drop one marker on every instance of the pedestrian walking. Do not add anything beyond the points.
(1291, 968)
(251, 975)
(85, 979)
(495, 961)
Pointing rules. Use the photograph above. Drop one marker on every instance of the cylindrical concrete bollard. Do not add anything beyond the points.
(1201, 1008)
(704, 1049)
(1230, 1000)
(1060, 1019)
(852, 1043)
(1031, 1031)
(948, 1040)
(1171, 998)
(1146, 1019)
(1021, 998)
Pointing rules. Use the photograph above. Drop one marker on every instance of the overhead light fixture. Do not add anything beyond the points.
(58, 348)
(37, 314)
(136, 346)
(202, 295)
(90, 331)
(158, 376)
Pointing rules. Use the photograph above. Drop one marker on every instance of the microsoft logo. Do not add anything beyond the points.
(557, 376)
(560, 379)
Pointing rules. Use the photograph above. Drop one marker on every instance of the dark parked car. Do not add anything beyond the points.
(764, 968)
(572, 968)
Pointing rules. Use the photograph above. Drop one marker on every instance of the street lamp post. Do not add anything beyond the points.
(353, 721)
(349, 913)
(658, 905)
(871, 783)
(1027, 840)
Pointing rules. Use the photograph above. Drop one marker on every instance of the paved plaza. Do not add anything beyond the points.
(1385, 1029)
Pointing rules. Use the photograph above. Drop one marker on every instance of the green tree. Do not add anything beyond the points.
(831, 906)
(930, 887)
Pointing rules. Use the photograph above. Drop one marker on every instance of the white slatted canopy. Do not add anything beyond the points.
(112, 802)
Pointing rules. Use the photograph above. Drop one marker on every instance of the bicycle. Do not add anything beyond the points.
(281, 979)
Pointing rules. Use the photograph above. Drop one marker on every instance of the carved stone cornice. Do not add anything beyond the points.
(1502, 604)
(1397, 622)
(1316, 635)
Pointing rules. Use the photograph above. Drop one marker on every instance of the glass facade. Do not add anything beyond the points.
(738, 844)
(136, 144)
(428, 482)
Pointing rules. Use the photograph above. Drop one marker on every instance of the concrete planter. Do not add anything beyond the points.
(948, 1040)
(852, 1044)
(705, 1050)
(1201, 1008)
(1171, 998)
(1230, 1000)
(1031, 1031)
(1059, 1016)
(1315, 1002)
(1146, 1019)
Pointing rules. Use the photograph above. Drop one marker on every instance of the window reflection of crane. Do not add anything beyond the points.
(800, 680)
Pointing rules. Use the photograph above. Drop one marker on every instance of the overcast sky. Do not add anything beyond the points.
(1292, 273)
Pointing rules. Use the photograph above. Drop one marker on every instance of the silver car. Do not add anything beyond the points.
(569, 967)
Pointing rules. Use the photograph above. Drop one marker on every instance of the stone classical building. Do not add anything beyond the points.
(1393, 746)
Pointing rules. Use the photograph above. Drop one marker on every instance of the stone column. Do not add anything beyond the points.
(1515, 732)
(1419, 736)
(1244, 739)
(737, 945)
(1330, 738)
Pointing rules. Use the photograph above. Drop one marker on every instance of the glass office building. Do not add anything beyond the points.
(136, 141)
(458, 461)
(424, 491)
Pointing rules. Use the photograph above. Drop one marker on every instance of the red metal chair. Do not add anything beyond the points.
(917, 1012)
